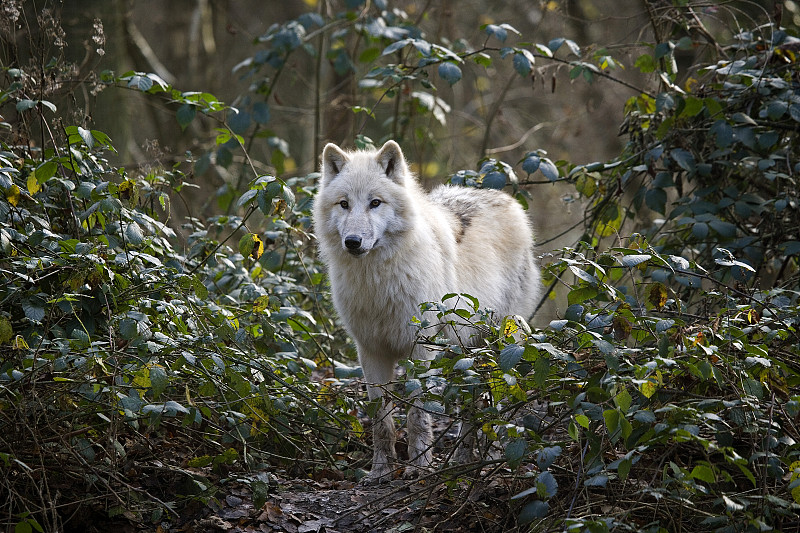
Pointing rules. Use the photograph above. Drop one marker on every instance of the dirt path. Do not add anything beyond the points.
(306, 506)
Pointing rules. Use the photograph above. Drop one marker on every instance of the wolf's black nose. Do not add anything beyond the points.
(352, 242)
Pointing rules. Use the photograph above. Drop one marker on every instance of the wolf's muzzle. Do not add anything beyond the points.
(353, 244)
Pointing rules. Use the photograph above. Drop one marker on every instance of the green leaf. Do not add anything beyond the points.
(522, 64)
(158, 380)
(494, 180)
(548, 169)
(33, 311)
(510, 356)
(541, 371)
(630, 261)
(656, 199)
(369, 54)
(703, 473)
(531, 163)
(582, 420)
(45, 171)
(464, 364)
(693, 106)
(581, 294)
(777, 109)
(600, 480)
(246, 197)
(700, 230)
(482, 59)
(644, 416)
(185, 115)
(24, 105)
(645, 63)
(623, 400)
(543, 50)
(395, 46)
(573, 432)
(239, 122)
(626, 427)
(450, 73)
(260, 493)
(583, 275)
(748, 474)
(261, 112)
(624, 468)
(128, 328)
(433, 407)
(546, 485)
(515, 451)
(200, 289)
(201, 461)
(532, 511)
(87, 137)
(555, 44)
(794, 112)
(246, 244)
(768, 139)
(6, 330)
(498, 32)
(713, 106)
(134, 234)
(141, 82)
(547, 456)
(683, 158)
(611, 417)
(664, 102)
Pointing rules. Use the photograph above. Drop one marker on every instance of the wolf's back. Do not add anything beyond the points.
(495, 254)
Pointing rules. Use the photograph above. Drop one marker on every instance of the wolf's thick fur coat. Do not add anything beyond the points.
(389, 246)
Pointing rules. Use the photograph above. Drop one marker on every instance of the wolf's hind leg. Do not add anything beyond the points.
(466, 451)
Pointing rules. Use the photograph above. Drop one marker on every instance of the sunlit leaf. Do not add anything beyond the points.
(13, 194)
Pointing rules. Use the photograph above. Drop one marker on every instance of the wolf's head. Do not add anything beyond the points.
(363, 198)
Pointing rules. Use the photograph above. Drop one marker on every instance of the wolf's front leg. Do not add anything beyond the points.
(378, 372)
(384, 455)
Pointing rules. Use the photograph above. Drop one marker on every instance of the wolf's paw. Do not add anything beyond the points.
(414, 472)
(378, 474)
(465, 455)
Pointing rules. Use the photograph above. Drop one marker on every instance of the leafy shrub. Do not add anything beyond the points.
(671, 379)
(122, 340)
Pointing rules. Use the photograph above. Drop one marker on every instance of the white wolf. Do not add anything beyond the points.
(389, 246)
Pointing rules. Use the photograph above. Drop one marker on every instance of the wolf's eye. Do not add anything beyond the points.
(375, 203)
(344, 204)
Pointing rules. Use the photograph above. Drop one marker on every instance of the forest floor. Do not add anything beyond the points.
(329, 503)
(306, 506)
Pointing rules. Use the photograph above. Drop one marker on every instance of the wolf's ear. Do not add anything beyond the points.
(391, 160)
(333, 160)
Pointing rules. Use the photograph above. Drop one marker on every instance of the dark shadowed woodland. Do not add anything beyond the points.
(170, 359)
